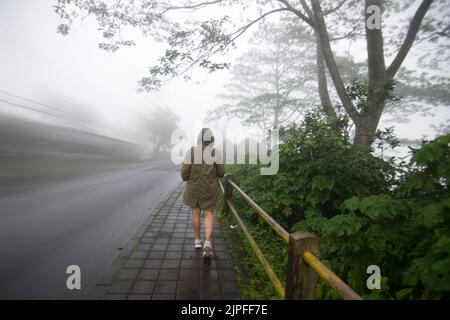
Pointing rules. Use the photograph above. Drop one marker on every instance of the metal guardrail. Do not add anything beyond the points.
(304, 266)
(275, 226)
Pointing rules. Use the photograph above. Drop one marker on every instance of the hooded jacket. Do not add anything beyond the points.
(201, 169)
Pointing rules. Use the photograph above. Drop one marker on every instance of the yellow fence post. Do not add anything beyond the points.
(301, 279)
(227, 193)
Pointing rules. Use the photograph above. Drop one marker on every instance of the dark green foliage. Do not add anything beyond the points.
(366, 210)
(405, 232)
(319, 169)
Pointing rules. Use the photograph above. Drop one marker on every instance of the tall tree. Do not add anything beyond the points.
(273, 81)
(195, 39)
(380, 78)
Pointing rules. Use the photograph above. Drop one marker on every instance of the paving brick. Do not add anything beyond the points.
(178, 235)
(220, 247)
(127, 274)
(168, 274)
(143, 247)
(225, 264)
(148, 274)
(143, 287)
(208, 264)
(189, 264)
(152, 264)
(174, 255)
(146, 240)
(138, 255)
(228, 274)
(209, 287)
(115, 297)
(188, 275)
(156, 255)
(209, 274)
(165, 287)
(139, 297)
(159, 247)
(231, 297)
(188, 287)
(191, 255)
(133, 263)
(176, 241)
(229, 287)
(175, 247)
(120, 286)
(187, 296)
(210, 297)
(163, 297)
(166, 235)
(171, 264)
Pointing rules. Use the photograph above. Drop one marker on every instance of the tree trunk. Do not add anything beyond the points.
(321, 29)
(324, 95)
(366, 126)
(276, 118)
(367, 122)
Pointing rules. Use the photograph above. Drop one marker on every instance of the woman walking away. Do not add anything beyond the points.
(202, 167)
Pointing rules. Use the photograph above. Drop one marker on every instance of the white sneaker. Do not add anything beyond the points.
(198, 244)
(207, 249)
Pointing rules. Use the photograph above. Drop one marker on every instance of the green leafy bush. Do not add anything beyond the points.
(319, 169)
(366, 210)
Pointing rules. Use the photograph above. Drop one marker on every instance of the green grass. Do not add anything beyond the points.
(252, 278)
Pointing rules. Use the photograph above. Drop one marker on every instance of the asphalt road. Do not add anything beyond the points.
(81, 220)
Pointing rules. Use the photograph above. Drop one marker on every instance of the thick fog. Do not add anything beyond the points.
(69, 81)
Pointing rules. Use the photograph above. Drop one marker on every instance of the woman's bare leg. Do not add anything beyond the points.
(196, 222)
(209, 220)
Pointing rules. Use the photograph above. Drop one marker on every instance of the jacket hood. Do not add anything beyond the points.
(205, 137)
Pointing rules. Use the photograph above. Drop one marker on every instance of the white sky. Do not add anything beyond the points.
(38, 63)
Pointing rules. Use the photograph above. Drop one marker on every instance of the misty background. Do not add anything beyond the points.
(69, 81)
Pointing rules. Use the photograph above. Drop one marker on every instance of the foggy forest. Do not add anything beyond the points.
(329, 119)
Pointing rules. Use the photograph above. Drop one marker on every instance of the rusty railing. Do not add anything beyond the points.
(304, 266)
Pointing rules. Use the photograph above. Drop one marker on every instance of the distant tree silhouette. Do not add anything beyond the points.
(160, 125)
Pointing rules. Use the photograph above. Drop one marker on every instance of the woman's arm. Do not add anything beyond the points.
(220, 167)
(186, 166)
(185, 171)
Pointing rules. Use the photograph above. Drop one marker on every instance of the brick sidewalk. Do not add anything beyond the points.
(160, 262)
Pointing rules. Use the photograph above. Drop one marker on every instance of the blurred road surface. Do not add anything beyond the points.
(50, 224)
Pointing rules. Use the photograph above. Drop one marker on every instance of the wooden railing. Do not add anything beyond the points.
(304, 266)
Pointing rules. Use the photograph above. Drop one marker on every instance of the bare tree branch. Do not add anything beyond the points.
(192, 7)
(326, 12)
(410, 36)
(297, 12)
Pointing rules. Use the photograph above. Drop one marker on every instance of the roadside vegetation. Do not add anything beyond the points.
(366, 210)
